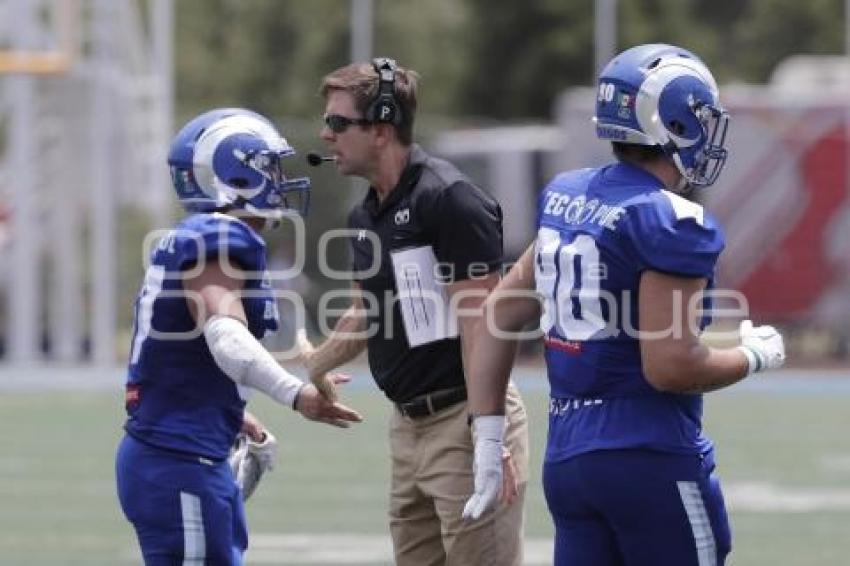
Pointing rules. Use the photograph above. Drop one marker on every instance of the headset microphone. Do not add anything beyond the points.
(314, 159)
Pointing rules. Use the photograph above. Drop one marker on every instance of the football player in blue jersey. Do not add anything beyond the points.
(618, 278)
(205, 302)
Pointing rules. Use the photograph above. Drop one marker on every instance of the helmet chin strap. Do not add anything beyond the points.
(241, 205)
(270, 224)
(270, 221)
(683, 187)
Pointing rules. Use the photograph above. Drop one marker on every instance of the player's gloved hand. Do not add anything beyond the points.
(762, 345)
(250, 459)
(488, 432)
(323, 382)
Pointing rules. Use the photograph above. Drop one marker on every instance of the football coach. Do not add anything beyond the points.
(426, 248)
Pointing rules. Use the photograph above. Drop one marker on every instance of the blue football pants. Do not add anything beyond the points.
(184, 511)
(637, 508)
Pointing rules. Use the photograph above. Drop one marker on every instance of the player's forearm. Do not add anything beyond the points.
(508, 309)
(672, 356)
(494, 350)
(487, 374)
(719, 368)
(243, 359)
(490, 367)
(700, 369)
(467, 298)
(344, 344)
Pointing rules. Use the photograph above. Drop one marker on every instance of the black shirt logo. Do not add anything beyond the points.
(402, 216)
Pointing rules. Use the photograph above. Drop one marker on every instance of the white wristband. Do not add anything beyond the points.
(753, 362)
(244, 360)
(489, 427)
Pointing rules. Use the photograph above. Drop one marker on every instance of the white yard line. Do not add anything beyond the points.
(267, 548)
(839, 463)
(376, 550)
(57, 377)
(766, 497)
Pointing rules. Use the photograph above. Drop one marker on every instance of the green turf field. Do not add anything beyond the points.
(784, 457)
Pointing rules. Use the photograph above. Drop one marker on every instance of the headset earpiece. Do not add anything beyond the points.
(385, 109)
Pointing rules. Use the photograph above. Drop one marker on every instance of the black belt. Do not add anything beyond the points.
(431, 403)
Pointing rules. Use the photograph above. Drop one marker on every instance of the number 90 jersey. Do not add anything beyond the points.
(177, 396)
(598, 231)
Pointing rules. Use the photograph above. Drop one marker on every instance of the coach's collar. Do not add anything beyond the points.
(408, 180)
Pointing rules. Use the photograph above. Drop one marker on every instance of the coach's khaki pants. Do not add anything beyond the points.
(431, 481)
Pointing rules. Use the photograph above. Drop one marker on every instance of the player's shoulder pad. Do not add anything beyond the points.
(571, 179)
(215, 234)
(564, 182)
(674, 235)
(684, 208)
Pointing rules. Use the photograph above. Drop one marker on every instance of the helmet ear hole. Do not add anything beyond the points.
(654, 63)
(676, 127)
(238, 182)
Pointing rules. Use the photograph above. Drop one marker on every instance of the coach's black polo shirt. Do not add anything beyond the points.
(433, 204)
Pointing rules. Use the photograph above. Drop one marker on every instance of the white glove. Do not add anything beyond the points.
(488, 432)
(763, 347)
(249, 460)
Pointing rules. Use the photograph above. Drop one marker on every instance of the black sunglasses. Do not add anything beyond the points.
(338, 124)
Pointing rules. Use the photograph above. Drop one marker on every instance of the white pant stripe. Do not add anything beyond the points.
(194, 538)
(700, 523)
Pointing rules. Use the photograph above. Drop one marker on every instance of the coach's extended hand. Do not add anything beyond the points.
(315, 406)
(323, 382)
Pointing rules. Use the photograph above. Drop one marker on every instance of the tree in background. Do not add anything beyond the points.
(771, 30)
(522, 56)
(479, 59)
(264, 54)
(271, 54)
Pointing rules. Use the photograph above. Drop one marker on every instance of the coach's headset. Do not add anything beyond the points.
(385, 109)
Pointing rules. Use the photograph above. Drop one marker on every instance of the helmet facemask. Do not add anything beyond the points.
(701, 164)
(283, 195)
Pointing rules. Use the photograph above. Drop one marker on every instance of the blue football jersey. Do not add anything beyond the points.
(177, 397)
(598, 230)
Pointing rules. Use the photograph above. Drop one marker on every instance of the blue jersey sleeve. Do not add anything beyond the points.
(673, 235)
(209, 236)
(541, 201)
(563, 182)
